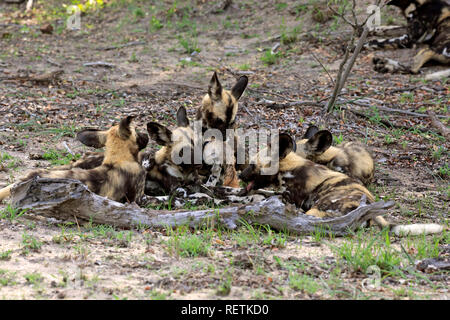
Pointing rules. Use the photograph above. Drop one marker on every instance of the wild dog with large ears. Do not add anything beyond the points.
(93, 159)
(220, 106)
(120, 176)
(218, 111)
(351, 158)
(317, 190)
(173, 165)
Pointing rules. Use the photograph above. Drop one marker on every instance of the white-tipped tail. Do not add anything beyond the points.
(438, 75)
(417, 229)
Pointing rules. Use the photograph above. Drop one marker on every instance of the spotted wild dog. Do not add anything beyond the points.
(316, 189)
(164, 171)
(351, 158)
(93, 159)
(120, 176)
(218, 111)
(428, 25)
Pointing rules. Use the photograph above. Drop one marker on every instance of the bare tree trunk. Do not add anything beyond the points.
(340, 81)
(65, 199)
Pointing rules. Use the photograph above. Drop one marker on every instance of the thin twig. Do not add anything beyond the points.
(329, 75)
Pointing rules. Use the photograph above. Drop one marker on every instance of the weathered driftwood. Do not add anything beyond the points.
(433, 265)
(65, 199)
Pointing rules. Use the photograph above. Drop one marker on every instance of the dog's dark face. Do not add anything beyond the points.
(219, 106)
(253, 174)
(177, 146)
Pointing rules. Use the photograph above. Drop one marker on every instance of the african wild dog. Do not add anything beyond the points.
(350, 158)
(317, 190)
(120, 176)
(218, 111)
(428, 24)
(164, 172)
(219, 106)
(91, 160)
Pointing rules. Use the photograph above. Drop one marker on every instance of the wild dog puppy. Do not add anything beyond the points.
(319, 191)
(168, 169)
(350, 158)
(219, 106)
(316, 189)
(91, 160)
(428, 25)
(120, 176)
(218, 111)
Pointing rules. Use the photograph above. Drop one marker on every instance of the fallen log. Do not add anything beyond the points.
(65, 199)
(433, 265)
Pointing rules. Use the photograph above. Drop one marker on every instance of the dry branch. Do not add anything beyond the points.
(65, 199)
(129, 44)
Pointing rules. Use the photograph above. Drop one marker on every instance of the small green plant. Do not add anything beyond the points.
(281, 6)
(190, 45)
(156, 295)
(11, 213)
(5, 255)
(7, 278)
(368, 250)
(133, 58)
(270, 58)
(437, 154)
(407, 97)
(185, 244)
(34, 278)
(30, 243)
(57, 157)
(303, 282)
(388, 139)
(338, 139)
(138, 13)
(155, 24)
(244, 67)
(444, 171)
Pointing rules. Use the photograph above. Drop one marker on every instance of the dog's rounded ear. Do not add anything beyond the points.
(311, 131)
(239, 87)
(92, 138)
(182, 119)
(319, 142)
(215, 88)
(124, 127)
(286, 145)
(159, 133)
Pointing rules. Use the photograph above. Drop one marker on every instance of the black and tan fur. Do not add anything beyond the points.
(219, 106)
(218, 111)
(319, 191)
(93, 159)
(350, 158)
(316, 189)
(428, 26)
(120, 176)
(162, 171)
